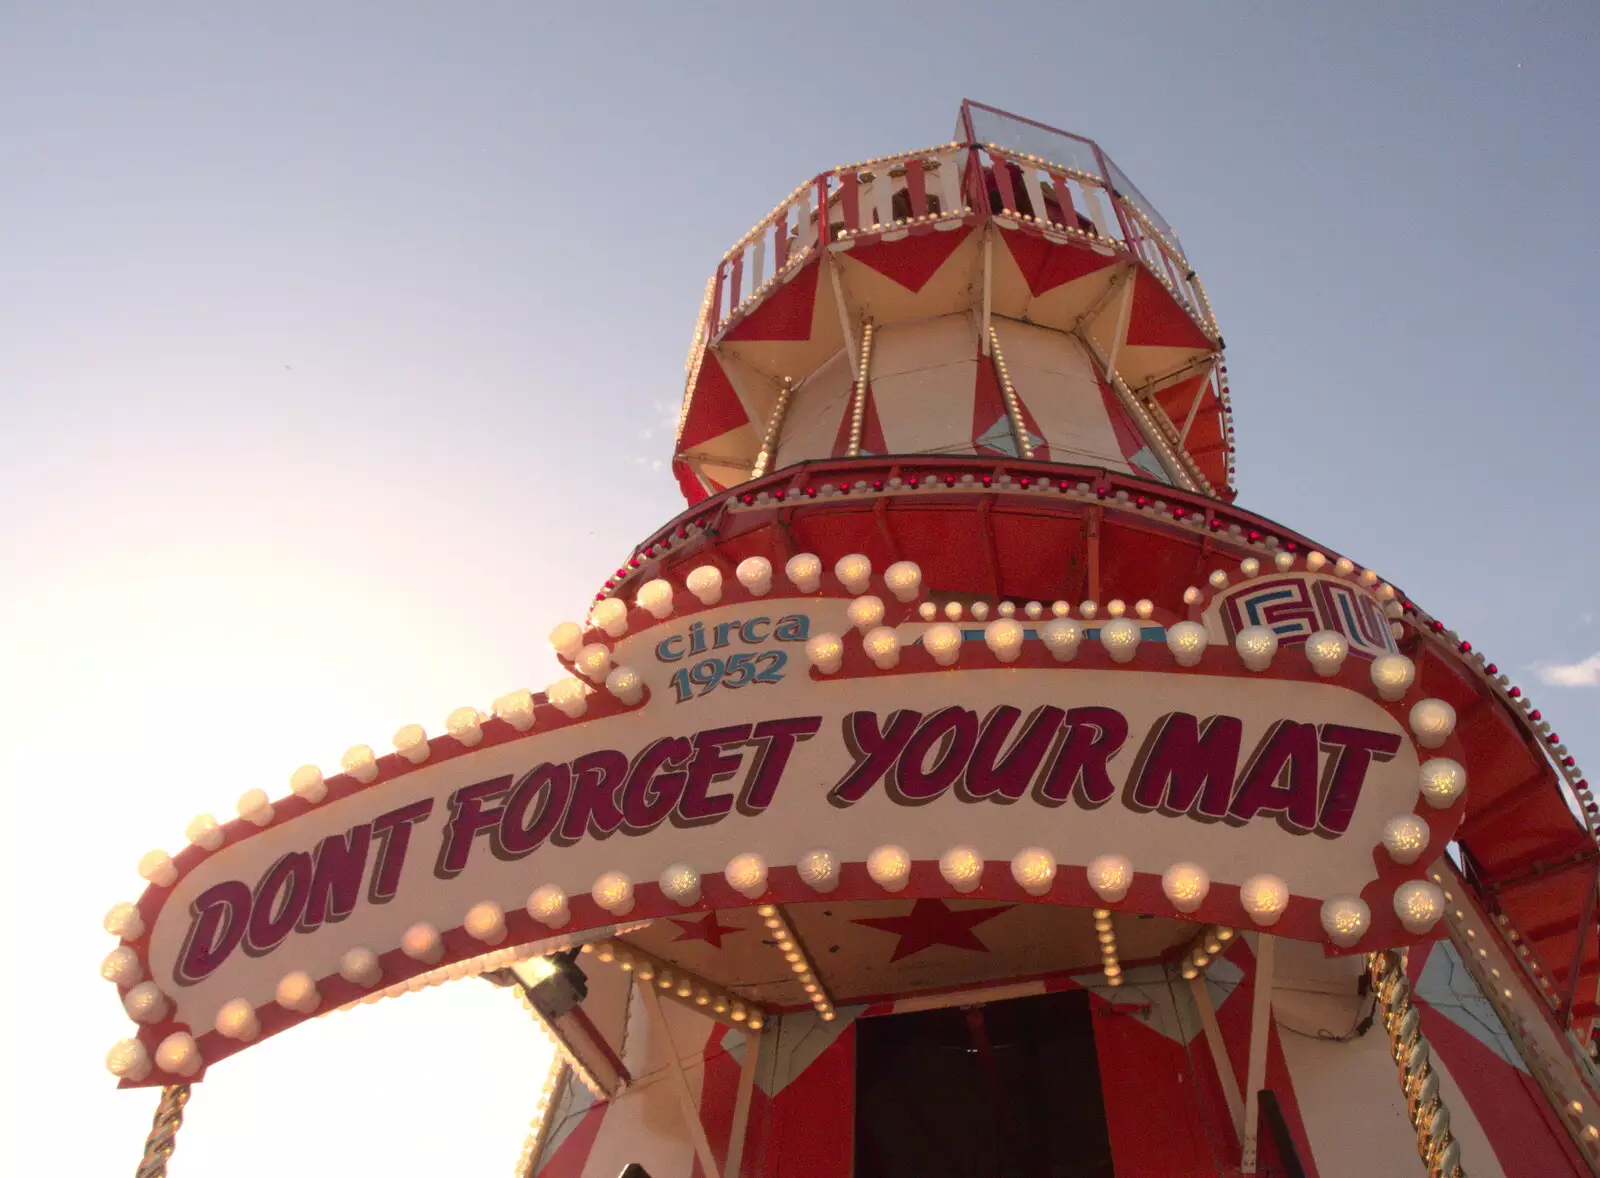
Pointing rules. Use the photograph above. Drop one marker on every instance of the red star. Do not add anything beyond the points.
(705, 929)
(933, 922)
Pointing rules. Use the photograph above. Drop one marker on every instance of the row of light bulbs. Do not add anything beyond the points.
(794, 953)
(1019, 428)
(1206, 948)
(676, 982)
(1106, 935)
(1491, 982)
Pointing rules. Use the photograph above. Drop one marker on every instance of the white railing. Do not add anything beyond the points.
(937, 186)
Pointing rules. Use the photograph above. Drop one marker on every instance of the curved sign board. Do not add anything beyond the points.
(739, 745)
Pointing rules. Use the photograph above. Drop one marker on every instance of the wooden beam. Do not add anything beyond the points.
(1118, 332)
(741, 1104)
(835, 277)
(1219, 1051)
(1194, 408)
(988, 287)
(1260, 1029)
(691, 1114)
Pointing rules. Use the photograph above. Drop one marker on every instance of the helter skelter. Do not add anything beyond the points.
(962, 785)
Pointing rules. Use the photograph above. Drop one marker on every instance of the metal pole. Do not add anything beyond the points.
(163, 1137)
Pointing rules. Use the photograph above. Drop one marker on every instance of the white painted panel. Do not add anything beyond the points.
(1350, 1102)
(818, 407)
(1057, 381)
(933, 343)
(928, 411)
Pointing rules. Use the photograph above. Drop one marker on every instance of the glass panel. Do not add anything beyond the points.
(1126, 189)
(1031, 139)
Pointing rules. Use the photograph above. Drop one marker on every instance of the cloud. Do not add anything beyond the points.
(1583, 673)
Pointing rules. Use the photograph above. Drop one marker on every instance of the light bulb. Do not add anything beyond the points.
(626, 684)
(928, 611)
(548, 905)
(883, 647)
(980, 610)
(1432, 721)
(486, 922)
(593, 662)
(1264, 897)
(465, 724)
(755, 574)
(1004, 637)
(128, 1060)
(1110, 876)
(306, 782)
(1326, 651)
(515, 708)
(656, 597)
(178, 1055)
(681, 883)
(1088, 608)
(804, 571)
(361, 966)
(1187, 641)
(865, 612)
(1061, 637)
(566, 640)
(890, 867)
(1392, 675)
(613, 891)
(1405, 837)
(1034, 869)
(1256, 646)
(952, 610)
(853, 571)
(1442, 781)
(1418, 904)
(1250, 567)
(705, 583)
(123, 920)
(1186, 885)
(825, 652)
(819, 869)
(904, 579)
(297, 992)
(254, 807)
(204, 832)
(145, 1003)
(569, 696)
(121, 966)
(747, 874)
(1144, 608)
(962, 868)
(611, 615)
(943, 641)
(236, 1019)
(1120, 637)
(421, 942)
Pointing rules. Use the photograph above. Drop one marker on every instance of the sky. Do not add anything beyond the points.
(341, 343)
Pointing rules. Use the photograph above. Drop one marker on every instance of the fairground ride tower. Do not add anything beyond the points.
(963, 784)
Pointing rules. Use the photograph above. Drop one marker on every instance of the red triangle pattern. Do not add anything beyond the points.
(912, 261)
(1157, 320)
(714, 407)
(785, 314)
(1129, 440)
(1046, 266)
(871, 428)
(989, 406)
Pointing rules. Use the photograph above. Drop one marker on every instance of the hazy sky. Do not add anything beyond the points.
(339, 345)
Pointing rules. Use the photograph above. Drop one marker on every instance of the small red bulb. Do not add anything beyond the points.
(1465, 648)
(877, 484)
(811, 492)
(1515, 693)
(778, 495)
(1536, 714)
(949, 480)
(1024, 482)
(1492, 669)
(988, 480)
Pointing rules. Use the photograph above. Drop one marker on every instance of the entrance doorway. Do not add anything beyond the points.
(1006, 1090)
